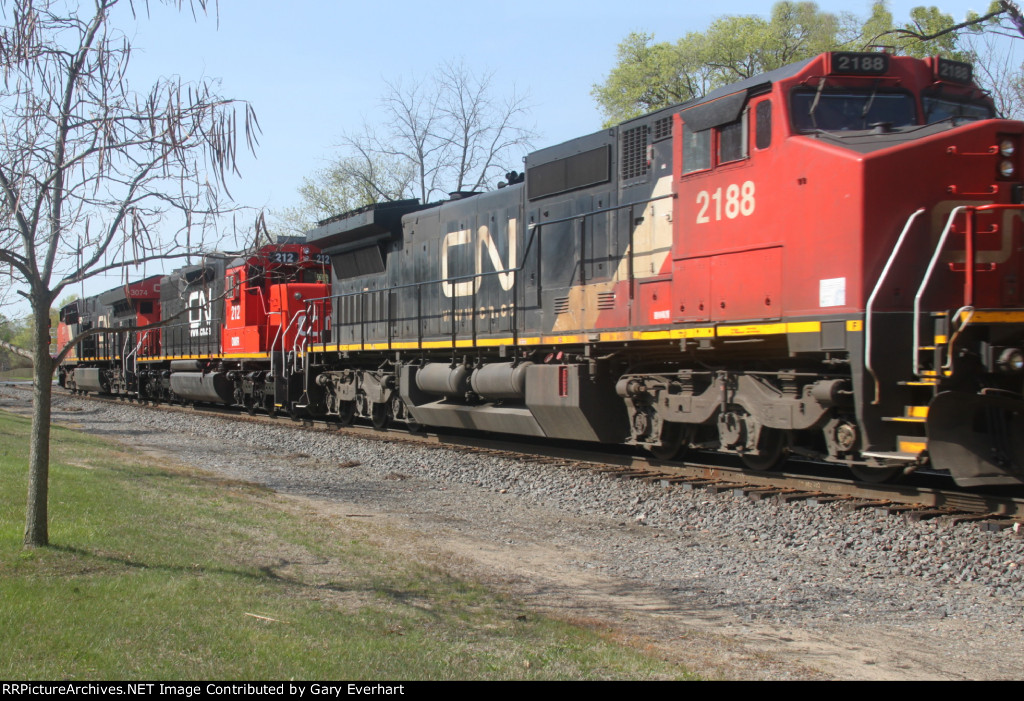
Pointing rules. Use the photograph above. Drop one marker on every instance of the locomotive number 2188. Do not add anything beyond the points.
(738, 201)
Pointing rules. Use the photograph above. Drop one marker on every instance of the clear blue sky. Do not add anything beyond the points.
(314, 69)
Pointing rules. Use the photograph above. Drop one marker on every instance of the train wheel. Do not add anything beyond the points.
(346, 412)
(771, 450)
(878, 475)
(675, 440)
(250, 406)
(380, 415)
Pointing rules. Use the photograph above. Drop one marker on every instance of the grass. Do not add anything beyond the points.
(161, 572)
(16, 374)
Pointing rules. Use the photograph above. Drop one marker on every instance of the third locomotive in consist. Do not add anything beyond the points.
(824, 260)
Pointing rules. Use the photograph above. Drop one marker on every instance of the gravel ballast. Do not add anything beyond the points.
(785, 591)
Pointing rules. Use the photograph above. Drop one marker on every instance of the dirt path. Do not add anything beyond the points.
(556, 563)
(561, 580)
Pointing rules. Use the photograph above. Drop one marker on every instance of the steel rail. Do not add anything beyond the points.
(620, 461)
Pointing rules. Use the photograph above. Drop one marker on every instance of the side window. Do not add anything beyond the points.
(732, 140)
(764, 124)
(696, 150)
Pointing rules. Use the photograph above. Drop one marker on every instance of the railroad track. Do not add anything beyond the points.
(923, 498)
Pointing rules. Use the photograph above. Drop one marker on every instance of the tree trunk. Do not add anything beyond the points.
(36, 530)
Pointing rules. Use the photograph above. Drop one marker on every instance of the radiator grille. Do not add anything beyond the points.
(663, 128)
(634, 152)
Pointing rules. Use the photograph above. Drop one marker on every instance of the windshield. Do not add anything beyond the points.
(937, 109)
(851, 110)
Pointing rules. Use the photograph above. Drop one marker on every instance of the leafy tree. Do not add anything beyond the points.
(448, 133)
(649, 75)
(12, 354)
(929, 32)
(348, 183)
(95, 176)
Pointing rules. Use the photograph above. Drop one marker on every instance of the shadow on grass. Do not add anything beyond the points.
(264, 574)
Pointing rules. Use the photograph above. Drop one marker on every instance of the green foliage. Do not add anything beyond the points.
(907, 39)
(19, 332)
(346, 184)
(10, 329)
(649, 75)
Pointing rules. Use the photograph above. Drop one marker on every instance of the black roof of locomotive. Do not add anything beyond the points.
(712, 109)
(362, 226)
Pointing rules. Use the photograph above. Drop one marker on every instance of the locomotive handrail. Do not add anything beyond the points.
(629, 205)
(617, 207)
(270, 348)
(969, 256)
(134, 353)
(916, 364)
(518, 269)
(362, 294)
(125, 355)
(533, 228)
(302, 313)
(869, 309)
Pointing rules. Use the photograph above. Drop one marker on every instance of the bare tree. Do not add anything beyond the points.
(415, 134)
(95, 176)
(480, 132)
(998, 69)
(450, 132)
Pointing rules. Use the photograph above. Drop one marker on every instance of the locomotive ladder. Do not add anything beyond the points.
(932, 357)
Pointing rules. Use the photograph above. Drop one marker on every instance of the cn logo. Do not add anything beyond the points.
(198, 313)
(484, 241)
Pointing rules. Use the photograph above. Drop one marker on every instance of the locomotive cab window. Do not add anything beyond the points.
(764, 124)
(851, 109)
(254, 279)
(937, 109)
(696, 150)
(732, 140)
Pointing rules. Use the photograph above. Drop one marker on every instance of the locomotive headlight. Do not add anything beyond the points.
(1011, 360)
(1007, 148)
(1006, 169)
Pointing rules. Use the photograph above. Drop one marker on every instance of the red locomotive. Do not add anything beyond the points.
(107, 362)
(232, 331)
(823, 261)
